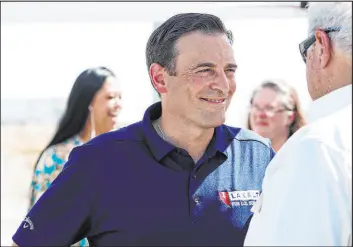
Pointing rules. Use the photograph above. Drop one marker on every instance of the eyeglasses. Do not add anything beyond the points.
(304, 46)
(268, 110)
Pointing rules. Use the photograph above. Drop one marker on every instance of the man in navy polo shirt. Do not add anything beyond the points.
(178, 177)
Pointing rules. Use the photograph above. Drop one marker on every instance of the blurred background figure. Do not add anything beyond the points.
(92, 109)
(275, 112)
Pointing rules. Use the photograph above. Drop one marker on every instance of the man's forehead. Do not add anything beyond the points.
(198, 48)
(202, 41)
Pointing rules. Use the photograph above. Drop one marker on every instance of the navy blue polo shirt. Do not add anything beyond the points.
(130, 187)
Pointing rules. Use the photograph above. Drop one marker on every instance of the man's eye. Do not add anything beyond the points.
(204, 70)
(230, 72)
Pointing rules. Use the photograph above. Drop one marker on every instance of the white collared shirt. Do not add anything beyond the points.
(307, 188)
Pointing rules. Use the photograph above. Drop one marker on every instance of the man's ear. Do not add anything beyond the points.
(323, 48)
(157, 77)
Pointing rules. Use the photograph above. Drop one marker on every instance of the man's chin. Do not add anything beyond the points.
(213, 123)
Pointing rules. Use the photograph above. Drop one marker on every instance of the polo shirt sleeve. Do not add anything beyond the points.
(305, 201)
(61, 216)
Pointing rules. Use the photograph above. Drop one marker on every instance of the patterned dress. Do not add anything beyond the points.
(49, 166)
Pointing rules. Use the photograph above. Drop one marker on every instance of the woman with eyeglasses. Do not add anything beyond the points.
(275, 112)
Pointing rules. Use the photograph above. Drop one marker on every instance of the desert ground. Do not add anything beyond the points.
(20, 147)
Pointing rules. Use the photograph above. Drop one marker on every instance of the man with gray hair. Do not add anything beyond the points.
(307, 189)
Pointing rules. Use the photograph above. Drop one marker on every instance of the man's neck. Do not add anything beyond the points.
(185, 135)
(338, 76)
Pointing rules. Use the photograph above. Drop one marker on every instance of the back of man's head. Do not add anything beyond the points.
(324, 15)
(328, 54)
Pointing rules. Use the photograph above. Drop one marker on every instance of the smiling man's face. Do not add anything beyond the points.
(204, 84)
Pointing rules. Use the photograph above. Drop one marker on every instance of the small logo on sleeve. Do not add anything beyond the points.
(27, 223)
(239, 198)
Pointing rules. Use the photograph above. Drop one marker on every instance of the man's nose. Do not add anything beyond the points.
(221, 82)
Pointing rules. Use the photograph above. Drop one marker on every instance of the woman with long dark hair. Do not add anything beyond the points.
(92, 109)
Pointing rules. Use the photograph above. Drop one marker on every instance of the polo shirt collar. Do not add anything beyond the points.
(220, 141)
(160, 148)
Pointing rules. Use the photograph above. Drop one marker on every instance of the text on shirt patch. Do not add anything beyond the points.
(28, 223)
(239, 198)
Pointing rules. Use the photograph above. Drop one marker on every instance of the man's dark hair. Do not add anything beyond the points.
(161, 44)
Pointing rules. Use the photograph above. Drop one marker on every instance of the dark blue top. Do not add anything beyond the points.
(130, 187)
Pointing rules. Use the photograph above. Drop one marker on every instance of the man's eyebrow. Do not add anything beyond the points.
(206, 64)
(232, 66)
(212, 65)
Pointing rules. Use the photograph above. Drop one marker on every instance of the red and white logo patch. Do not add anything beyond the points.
(224, 197)
(239, 198)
